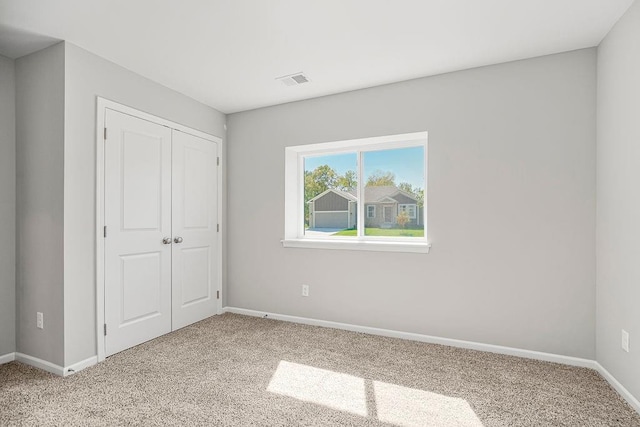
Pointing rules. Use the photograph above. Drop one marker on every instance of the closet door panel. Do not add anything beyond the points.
(138, 217)
(194, 224)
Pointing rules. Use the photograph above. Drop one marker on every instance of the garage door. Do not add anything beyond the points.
(332, 219)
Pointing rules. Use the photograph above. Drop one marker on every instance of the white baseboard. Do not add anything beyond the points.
(40, 364)
(510, 351)
(626, 395)
(6, 358)
(53, 368)
(77, 367)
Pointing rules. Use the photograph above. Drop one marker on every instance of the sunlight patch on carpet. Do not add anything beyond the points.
(389, 403)
(405, 406)
(334, 390)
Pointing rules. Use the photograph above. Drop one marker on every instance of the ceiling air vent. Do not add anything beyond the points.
(294, 79)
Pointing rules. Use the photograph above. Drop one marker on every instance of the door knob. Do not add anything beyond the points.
(178, 239)
(166, 240)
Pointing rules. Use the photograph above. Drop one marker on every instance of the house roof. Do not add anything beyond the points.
(344, 194)
(374, 194)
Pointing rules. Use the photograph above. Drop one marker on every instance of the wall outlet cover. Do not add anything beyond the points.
(625, 340)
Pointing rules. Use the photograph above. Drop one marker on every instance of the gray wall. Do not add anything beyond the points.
(7, 206)
(88, 76)
(511, 208)
(618, 189)
(39, 188)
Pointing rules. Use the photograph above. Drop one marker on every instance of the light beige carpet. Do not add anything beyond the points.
(233, 370)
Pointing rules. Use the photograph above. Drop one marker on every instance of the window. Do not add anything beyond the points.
(367, 194)
(409, 209)
(371, 211)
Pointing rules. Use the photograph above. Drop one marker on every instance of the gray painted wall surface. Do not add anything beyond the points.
(88, 76)
(7, 207)
(511, 208)
(618, 213)
(39, 189)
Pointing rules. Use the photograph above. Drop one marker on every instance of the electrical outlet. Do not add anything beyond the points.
(305, 290)
(625, 341)
(39, 320)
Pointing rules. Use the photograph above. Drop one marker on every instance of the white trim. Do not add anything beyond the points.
(51, 367)
(510, 351)
(294, 186)
(83, 364)
(343, 194)
(367, 206)
(415, 209)
(626, 395)
(40, 364)
(350, 243)
(102, 106)
(386, 200)
(405, 140)
(6, 358)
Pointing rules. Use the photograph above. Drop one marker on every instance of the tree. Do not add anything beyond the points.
(403, 219)
(417, 192)
(319, 180)
(347, 182)
(379, 178)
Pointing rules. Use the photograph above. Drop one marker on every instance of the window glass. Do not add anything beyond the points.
(371, 211)
(394, 184)
(361, 194)
(330, 195)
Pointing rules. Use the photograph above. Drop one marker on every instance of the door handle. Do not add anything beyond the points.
(178, 239)
(166, 240)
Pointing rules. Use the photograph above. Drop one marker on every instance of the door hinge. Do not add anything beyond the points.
(217, 294)
(218, 161)
(105, 329)
(105, 231)
(218, 228)
(105, 134)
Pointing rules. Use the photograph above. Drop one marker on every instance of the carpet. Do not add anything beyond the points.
(233, 370)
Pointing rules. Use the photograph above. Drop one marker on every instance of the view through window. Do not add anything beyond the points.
(388, 184)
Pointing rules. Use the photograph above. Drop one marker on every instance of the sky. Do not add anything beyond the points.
(406, 163)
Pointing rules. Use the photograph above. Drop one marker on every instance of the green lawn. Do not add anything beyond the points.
(393, 232)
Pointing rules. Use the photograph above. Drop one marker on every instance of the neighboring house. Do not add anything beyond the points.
(338, 209)
(333, 209)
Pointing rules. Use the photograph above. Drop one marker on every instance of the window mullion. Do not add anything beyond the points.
(361, 205)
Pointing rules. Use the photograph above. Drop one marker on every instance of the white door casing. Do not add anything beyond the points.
(138, 217)
(387, 214)
(105, 113)
(194, 223)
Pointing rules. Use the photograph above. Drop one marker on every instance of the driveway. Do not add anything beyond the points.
(321, 232)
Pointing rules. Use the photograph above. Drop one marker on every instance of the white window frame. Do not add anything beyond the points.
(374, 211)
(405, 206)
(294, 236)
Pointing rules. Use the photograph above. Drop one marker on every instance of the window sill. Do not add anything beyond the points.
(361, 245)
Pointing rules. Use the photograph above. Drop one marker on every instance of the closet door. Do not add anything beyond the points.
(138, 219)
(194, 219)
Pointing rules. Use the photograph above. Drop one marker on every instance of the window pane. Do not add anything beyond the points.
(330, 201)
(394, 190)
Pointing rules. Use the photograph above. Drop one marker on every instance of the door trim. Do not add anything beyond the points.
(103, 105)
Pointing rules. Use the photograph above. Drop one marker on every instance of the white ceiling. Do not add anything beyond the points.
(227, 53)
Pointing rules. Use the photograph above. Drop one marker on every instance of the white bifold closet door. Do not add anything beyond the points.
(194, 223)
(161, 217)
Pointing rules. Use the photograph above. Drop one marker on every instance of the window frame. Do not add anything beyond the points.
(294, 235)
(374, 211)
(406, 205)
